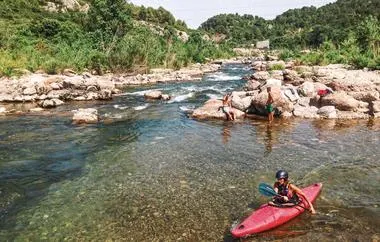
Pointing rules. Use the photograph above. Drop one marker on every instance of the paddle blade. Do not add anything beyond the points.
(267, 190)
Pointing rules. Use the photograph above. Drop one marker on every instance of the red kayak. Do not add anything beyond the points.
(268, 217)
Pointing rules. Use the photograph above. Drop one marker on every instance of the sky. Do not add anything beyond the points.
(195, 12)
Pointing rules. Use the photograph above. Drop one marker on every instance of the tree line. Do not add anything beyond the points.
(105, 38)
(346, 31)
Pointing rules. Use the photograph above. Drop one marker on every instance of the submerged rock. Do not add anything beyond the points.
(89, 115)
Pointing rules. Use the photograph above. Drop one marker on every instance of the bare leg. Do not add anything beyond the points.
(270, 117)
(232, 115)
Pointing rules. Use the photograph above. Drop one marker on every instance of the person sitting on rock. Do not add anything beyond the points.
(227, 107)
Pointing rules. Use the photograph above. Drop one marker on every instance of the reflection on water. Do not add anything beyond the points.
(226, 131)
(153, 174)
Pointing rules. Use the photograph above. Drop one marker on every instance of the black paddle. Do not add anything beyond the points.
(268, 191)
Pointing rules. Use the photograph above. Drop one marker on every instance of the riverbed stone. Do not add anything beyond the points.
(92, 89)
(153, 95)
(281, 103)
(327, 112)
(165, 97)
(261, 76)
(341, 101)
(307, 89)
(51, 103)
(89, 115)
(375, 106)
(252, 85)
(105, 94)
(290, 92)
(211, 110)
(29, 91)
(241, 103)
(366, 96)
(305, 112)
(290, 75)
(277, 74)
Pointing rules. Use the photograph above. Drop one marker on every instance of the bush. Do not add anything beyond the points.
(277, 67)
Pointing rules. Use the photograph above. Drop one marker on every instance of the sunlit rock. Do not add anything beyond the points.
(327, 112)
(153, 95)
(305, 112)
(89, 115)
(211, 110)
(281, 103)
(341, 101)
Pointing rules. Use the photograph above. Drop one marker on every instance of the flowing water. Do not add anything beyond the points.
(148, 172)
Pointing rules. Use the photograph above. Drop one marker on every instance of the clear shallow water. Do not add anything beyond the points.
(148, 173)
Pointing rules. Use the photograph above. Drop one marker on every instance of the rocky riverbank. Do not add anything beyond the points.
(332, 92)
(40, 91)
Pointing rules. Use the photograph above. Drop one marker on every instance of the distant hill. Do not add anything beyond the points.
(302, 28)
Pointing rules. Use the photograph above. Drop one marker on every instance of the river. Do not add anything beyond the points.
(148, 172)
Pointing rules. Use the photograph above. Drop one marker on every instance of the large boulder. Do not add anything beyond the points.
(252, 85)
(281, 103)
(307, 89)
(51, 103)
(355, 85)
(277, 74)
(341, 101)
(305, 112)
(261, 75)
(290, 75)
(271, 83)
(367, 96)
(290, 92)
(153, 95)
(375, 106)
(89, 115)
(29, 91)
(210, 110)
(241, 103)
(327, 112)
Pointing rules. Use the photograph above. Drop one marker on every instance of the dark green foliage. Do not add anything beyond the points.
(106, 38)
(349, 28)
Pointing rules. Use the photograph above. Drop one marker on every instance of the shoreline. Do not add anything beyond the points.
(356, 91)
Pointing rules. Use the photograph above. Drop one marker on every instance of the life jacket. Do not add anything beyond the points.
(283, 190)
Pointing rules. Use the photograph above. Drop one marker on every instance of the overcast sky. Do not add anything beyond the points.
(195, 12)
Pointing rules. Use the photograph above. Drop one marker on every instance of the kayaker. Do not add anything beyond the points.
(288, 193)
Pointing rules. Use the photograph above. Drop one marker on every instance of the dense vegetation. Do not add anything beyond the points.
(118, 36)
(111, 35)
(347, 31)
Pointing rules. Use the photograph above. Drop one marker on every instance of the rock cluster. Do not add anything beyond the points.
(331, 92)
(49, 91)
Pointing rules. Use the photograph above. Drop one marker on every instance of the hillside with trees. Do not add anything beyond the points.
(346, 31)
(109, 35)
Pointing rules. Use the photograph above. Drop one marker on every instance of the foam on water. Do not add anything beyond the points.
(117, 106)
(138, 108)
(187, 108)
(181, 98)
(223, 77)
(138, 93)
(213, 96)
